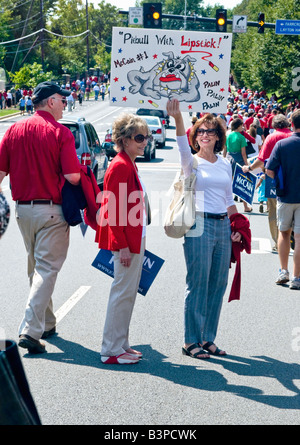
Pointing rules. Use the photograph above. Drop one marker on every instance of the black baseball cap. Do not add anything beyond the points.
(46, 89)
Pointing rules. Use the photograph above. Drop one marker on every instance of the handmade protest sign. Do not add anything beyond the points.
(243, 184)
(152, 264)
(149, 67)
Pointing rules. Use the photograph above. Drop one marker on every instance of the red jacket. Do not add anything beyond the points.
(92, 195)
(120, 221)
(239, 223)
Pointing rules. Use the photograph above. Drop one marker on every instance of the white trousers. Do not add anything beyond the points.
(120, 304)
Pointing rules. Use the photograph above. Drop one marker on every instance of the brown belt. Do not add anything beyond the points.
(35, 201)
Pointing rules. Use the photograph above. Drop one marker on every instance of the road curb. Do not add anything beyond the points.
(9, 115)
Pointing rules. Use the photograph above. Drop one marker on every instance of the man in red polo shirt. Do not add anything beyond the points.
(281, 126)
(39, 155)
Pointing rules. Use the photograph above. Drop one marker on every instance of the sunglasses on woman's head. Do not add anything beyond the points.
(209, 132)
(140, 138)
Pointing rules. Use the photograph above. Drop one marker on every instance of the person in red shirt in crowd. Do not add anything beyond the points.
(281, 126)
(245, 96)
(270, 120)
(250, 119)
(39, 155)
(4, 94)
(257, 106)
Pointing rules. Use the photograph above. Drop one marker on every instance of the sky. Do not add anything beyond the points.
(131, 3)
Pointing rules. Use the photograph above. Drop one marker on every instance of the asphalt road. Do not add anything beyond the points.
(257, 383)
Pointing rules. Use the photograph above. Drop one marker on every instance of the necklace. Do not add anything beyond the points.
(210, 158)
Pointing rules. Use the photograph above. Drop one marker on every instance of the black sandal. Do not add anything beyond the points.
(187, 351)
(217, 352)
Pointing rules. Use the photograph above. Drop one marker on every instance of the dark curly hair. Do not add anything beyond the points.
(210, 121)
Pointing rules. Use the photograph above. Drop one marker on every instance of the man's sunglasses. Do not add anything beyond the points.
(139, 138)
(64, 101)
(209, 132)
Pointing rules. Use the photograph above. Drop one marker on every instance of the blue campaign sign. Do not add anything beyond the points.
(270, 187)
(287, 27)
(152, 264)
(243, 184)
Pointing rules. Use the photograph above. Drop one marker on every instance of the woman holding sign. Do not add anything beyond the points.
(207, 245)
(122, 229)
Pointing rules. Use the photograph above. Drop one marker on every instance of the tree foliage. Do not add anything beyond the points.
(259, 61)
(266, 61)
(30, 76)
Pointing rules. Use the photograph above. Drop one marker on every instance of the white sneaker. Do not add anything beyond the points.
(283, 276)
(295, 283)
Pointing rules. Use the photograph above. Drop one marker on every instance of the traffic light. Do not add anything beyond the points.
(261, 23)
(221, 20)
(152, 15)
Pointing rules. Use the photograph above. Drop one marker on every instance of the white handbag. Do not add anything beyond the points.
(180, 215)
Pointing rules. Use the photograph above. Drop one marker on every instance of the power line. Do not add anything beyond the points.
(12, 25)
(46, 30)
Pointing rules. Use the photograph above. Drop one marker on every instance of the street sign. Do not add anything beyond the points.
(239, 23)
(287, 27)
(135, 16)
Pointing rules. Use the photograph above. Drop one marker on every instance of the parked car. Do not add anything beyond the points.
(162, 114)
(88, 147)
(157, 129)
(108, 146)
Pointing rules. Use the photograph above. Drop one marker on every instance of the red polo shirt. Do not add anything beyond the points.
(270, 142)
(37, 152)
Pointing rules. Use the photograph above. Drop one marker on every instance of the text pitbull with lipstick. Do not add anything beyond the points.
(173, 77)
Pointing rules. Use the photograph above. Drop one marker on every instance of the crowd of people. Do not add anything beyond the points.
(84, 88)
(265, 119)
(81, 90)
(219, 234)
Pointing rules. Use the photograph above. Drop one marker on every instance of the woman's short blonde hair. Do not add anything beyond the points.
(125, 126)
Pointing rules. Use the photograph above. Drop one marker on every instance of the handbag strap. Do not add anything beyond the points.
(191, 179)
(195, 162)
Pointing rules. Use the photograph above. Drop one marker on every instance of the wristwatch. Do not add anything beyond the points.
(250, 168)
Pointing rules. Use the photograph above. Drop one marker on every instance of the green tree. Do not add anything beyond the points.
(30, 76)
(23, 19)
(103, 58)
(265, 61)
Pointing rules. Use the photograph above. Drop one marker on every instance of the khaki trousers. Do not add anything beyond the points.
(272, 217)
(120, 304)
(46, 238)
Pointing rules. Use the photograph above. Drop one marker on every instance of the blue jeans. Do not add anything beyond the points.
(207, 259)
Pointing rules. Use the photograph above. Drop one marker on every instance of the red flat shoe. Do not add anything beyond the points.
(122, 359)
(134, 352)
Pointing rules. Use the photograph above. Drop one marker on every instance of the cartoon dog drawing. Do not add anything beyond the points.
(173, 77)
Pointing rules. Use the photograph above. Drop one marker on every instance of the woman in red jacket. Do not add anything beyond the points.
(121, 229)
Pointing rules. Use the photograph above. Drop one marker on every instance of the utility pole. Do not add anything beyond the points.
(23, 34)
(87, 38)
(42, 34)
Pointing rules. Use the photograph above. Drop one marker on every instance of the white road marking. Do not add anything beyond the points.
(103, 117)
(70, 303)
